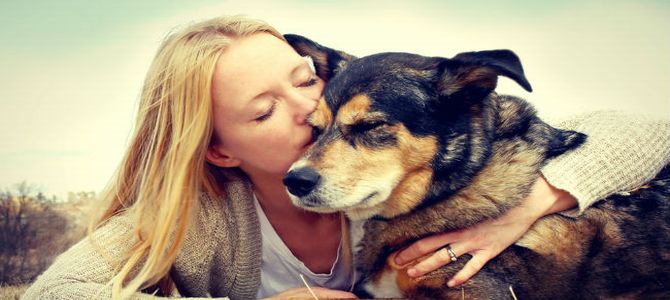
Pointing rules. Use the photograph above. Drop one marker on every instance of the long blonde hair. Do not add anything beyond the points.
(164, 169)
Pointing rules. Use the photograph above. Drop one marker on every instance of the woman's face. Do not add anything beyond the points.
(263, 92)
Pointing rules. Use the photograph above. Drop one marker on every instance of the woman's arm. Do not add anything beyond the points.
(82, 272)
(622, 152)
(487, 239)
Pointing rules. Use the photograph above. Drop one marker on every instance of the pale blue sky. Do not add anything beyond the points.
(70, 71)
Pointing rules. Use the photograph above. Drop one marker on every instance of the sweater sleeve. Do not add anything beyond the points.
(622, 152)
(82, 272)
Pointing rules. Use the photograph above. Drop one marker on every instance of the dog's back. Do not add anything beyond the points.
(619, 247)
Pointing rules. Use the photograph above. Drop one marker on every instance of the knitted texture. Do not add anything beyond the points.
(623, 151)
(221, 252)
(219, 255)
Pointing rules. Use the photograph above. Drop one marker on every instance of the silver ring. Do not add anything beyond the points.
(452, 254)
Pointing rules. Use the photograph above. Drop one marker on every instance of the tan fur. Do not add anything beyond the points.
(339, 158)
(547, 236)
(322, 116)
(406, 195)
(354, 110)
(417, 153)
(481, 76)
(410, 160)
(420, 73)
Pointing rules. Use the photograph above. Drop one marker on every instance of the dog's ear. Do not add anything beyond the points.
(327, 62)
(473, 75)
(561, 141)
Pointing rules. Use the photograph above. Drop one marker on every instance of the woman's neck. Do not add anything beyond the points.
(299, 228)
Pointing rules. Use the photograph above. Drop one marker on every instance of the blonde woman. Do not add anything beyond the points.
(198, 209)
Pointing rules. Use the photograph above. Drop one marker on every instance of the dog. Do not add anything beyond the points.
(422, 145)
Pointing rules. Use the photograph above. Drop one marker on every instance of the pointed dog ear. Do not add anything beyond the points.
(327, 62)
(473, 75)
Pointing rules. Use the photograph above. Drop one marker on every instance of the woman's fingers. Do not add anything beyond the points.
(440, 258)
(471, 268)
(424, 246)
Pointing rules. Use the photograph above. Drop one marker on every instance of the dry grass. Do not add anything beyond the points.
(12, 292)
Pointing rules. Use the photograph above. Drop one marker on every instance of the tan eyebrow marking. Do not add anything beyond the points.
(322, 116)
(354, 110)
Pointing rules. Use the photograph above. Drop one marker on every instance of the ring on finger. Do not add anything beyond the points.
(452, 254)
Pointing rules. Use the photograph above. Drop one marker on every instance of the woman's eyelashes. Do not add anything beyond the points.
(310, 82)
(267, 113)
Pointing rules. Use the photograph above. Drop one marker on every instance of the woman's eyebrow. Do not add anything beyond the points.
(303, 64)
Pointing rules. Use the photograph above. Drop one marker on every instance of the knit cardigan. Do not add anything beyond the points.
(221, 252)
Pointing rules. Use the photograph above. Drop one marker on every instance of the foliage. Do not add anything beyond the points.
(33, 231)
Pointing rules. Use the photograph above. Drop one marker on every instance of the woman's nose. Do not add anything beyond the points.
(303, 107)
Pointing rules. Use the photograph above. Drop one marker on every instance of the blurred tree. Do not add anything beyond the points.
(30, 233)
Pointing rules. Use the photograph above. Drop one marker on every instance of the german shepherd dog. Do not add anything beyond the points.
(423, 145)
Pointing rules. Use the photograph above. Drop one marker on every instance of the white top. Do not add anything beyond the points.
(280, 269)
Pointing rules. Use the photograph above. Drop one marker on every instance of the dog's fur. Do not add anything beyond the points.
(423, 145)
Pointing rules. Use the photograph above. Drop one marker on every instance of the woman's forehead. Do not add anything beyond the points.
(252, 65)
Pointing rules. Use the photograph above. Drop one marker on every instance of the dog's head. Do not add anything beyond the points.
(387, 122)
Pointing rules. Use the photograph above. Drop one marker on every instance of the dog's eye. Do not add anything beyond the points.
(367, 126)
(373, 134)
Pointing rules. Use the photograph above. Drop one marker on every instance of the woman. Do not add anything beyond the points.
(198, 204)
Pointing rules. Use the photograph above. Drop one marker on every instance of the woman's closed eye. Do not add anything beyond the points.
(267, 114)
(310, 82)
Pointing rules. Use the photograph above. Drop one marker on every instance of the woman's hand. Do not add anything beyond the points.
(487, 239)
(321, 293)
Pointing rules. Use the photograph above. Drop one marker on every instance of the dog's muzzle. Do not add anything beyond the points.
(301, 182)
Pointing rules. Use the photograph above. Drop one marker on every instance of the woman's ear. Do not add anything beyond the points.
(219, 157)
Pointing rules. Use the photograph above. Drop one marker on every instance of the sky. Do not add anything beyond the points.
(71, 71)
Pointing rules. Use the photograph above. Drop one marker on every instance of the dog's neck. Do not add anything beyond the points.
(497, 156)
(500, 183)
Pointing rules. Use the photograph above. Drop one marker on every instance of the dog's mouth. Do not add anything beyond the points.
(367, 198)
(316, 203)
(309, 202)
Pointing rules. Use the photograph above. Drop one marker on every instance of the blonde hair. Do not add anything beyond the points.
(164, 169)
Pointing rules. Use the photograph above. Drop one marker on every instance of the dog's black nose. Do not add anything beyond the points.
(302, 181)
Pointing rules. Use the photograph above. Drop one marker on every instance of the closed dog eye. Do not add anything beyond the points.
(365, 127)
(376, 134)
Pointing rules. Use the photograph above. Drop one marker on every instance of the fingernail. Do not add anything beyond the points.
(412, 272)
(451, 283)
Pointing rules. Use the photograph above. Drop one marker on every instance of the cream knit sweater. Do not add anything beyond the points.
(220, 256)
